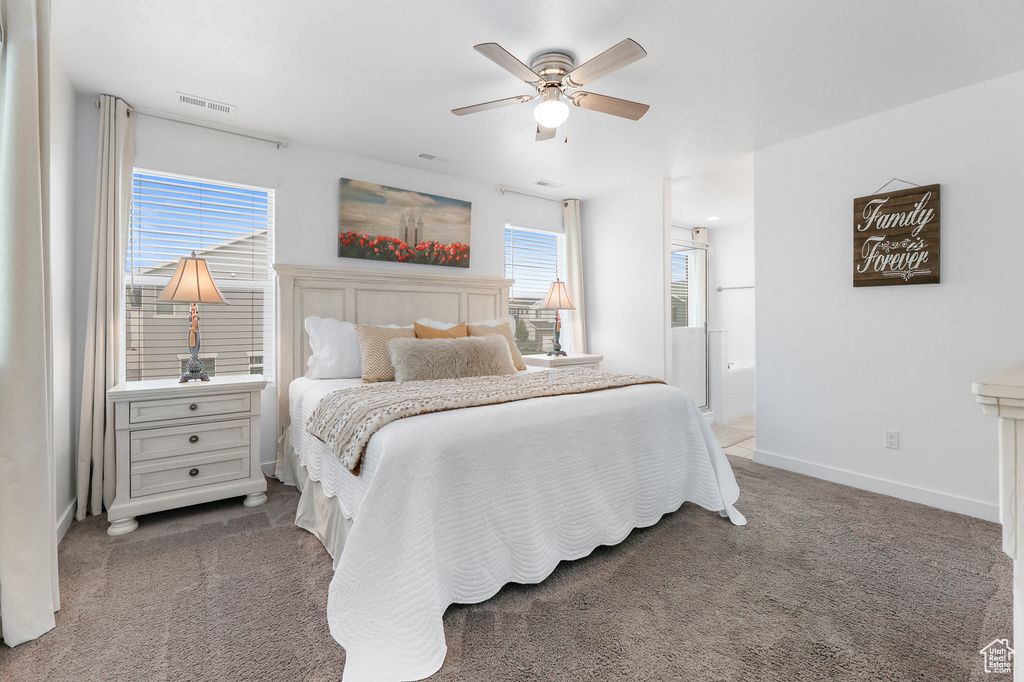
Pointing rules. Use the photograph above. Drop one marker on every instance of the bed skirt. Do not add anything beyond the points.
(319, 514)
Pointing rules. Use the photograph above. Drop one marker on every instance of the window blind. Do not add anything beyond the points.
(680, 290)
(232, 227)
(533, 259)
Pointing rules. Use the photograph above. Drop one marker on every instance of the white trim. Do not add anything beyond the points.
(65, 519)
(932, 498)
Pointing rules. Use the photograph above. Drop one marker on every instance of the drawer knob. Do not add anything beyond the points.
(193, 439)
(193, 472)
(193, 407)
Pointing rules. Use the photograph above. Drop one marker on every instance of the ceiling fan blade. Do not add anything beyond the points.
(493, 104)
(500, 56)
(544, 133)
(612, 59)
(609, 105)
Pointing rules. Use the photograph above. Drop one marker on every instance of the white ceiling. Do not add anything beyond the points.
(378, 79)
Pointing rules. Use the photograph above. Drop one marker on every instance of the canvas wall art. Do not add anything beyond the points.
(378, 222)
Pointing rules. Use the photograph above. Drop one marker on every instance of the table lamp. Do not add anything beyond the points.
(557, 298)
(192, 283)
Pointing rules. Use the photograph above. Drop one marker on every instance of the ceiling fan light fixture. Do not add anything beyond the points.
(551, 73)
(552, 111)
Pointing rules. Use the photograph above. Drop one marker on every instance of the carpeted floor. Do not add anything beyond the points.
(824, 583)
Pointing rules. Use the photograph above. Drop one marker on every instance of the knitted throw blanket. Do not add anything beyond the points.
(345, 420)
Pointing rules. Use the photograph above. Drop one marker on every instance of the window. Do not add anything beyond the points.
(688, 285)
(680, 291)
(232, 227)
(209, 363)
(255, 363)
(534, 259)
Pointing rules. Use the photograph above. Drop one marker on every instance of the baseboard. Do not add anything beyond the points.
(932, 498)
(64, 522)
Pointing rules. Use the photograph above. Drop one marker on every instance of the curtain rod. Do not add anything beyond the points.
(153, 113)
(506, 190)
(726, 288)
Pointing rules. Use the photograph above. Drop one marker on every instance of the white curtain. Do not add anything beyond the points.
(574, 275)
(28, 518)
(102, 367)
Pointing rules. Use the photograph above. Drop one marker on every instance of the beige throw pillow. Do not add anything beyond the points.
(373, 346)
(504, 329)
(426, 332)
(454, 358)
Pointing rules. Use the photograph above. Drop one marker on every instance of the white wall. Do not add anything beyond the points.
(305, 180)
(732, 265)
(62, 282)
(838, 365)
(625, 254)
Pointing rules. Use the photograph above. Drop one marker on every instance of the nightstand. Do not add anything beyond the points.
(181, 444)
(570, 360)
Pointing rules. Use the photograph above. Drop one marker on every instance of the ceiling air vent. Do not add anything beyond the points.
(432, 157)
(548, 184)
(205, 103)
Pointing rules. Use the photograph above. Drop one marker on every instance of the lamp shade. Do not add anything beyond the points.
(191, 283)
(557, 297)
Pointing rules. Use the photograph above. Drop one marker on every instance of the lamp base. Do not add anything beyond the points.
(194, 367)
(556, 349)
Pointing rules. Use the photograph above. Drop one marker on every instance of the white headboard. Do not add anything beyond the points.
(371, 297)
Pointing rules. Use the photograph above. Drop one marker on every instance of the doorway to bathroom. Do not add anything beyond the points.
(688, 287)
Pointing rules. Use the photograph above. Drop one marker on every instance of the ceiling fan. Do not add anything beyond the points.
(556, 77)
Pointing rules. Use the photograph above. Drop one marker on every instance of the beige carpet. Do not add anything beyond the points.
(824, 583)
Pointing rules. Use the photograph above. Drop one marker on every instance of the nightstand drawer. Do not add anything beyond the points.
(178, 473)
(192, 439)
(143, 411)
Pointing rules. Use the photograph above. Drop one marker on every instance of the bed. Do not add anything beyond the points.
(450, 506)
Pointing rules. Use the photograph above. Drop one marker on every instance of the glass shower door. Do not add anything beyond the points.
(689, 319)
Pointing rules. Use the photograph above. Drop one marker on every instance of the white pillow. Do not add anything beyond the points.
(335, 349)
(427, 322)
(496, 321)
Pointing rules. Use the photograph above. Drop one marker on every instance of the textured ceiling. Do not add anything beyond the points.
(378, 79)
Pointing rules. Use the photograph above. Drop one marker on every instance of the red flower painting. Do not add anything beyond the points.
(377, 222)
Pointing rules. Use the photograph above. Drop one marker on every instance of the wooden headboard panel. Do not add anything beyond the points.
(371, 297)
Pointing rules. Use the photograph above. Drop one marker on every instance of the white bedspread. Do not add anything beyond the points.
(453, 505)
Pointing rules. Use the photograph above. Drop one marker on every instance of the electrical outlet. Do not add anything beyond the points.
(892, 439)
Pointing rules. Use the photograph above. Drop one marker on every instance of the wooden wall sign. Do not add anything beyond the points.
(896, 238)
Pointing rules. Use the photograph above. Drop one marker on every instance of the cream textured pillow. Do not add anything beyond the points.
(373, 346)
(504, 329)
(335, 347)
(421, 359)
